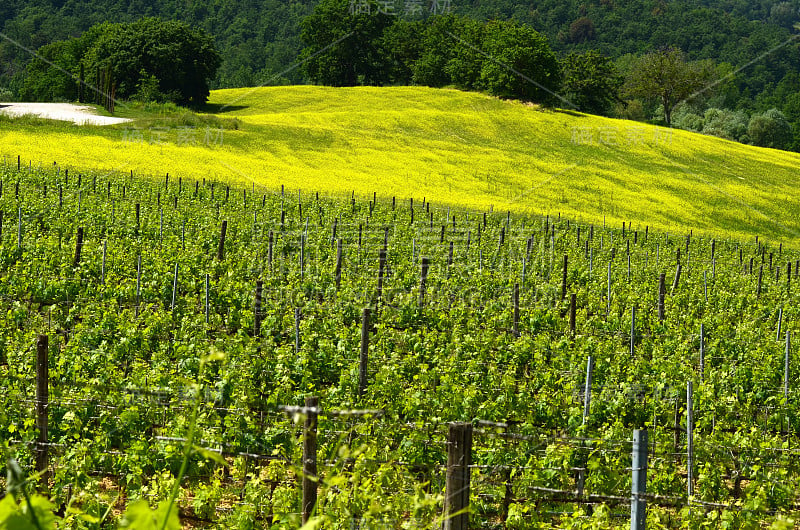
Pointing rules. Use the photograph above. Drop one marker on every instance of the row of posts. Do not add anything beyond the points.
(459, 451)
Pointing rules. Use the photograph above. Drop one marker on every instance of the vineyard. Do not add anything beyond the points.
(241, 357)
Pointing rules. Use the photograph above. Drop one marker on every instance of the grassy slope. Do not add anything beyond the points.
(459, 148)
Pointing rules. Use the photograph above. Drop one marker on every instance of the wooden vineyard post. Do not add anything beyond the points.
(310, 457)
(572, 309)
(338, 271)
(78, 247)
(381, 269)
(633, 329)
(450, 259)
(269, 252)
(457, 486)
(760, 276)
(423, 278)
(42, 399)
(780, 324)
(363, 357)
(138, 211)
(564, 279)
(257, 309)
(639, 480)
(788, 277)
(662, 292)
(221, 249)
(677, 278)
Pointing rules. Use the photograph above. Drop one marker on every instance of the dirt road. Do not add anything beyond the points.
(80, 114)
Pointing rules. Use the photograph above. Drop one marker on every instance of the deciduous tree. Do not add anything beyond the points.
(665, 75)
(519, 63)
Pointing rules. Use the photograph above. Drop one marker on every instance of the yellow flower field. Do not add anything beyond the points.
(451, 147)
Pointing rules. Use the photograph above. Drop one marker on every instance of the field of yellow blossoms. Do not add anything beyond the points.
(448, 146)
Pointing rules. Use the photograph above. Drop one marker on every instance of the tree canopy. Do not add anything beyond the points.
(344, 46)
(519, 63)
(770, 129)
(173, 59)
(665, 75)
(591, 81)
(372, 48)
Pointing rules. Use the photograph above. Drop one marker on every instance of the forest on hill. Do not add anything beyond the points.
(751, 45)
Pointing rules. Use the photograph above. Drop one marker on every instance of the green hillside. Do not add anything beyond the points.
(452, 147)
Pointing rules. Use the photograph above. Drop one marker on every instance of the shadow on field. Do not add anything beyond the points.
(218, 108)
(571, 113)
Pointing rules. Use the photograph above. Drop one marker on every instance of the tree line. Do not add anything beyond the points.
(502, 58)
(347, 47)
(585, 55)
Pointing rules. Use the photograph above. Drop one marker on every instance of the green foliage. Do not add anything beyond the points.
(139, 516)
(402, 42)
(149, 58)
(519, 63)
(348, 48)
(34, 514)
(260, 41)
(136, 374)
(451, 53)
(666, 76)
(582, 30)
(466, 56)
(432, 67)
(591, 82)
(728, 124)
(147, 90)
(52, 75)
(344, 48)
(685, 116)
(182, 58)
(770, 129)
